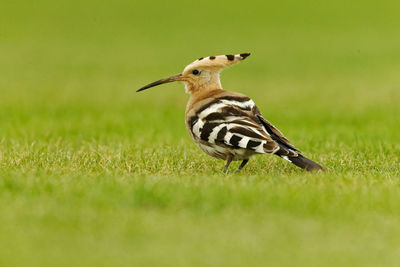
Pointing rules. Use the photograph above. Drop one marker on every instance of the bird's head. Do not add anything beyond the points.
(203, 73)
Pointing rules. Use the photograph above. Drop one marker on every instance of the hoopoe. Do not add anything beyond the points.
(228, 125)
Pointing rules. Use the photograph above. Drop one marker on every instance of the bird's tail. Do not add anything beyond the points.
(303, 162)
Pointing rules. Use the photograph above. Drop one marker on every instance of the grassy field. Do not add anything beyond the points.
(94, 174)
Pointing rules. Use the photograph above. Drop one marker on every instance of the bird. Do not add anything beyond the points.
(228, 125)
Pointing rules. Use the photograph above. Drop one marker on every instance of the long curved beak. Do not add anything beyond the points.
(174, 78)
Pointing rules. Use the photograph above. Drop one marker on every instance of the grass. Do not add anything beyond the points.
(94, 174)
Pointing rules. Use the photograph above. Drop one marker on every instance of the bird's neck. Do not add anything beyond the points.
(200, 96)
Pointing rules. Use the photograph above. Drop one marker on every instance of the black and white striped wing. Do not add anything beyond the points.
(229, 121)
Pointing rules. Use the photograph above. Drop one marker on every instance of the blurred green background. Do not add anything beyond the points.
(93, 173)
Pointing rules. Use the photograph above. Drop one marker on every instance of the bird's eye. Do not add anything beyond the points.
(195, 72)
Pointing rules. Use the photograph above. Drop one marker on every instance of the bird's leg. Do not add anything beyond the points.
(244, 162)
(228, 161)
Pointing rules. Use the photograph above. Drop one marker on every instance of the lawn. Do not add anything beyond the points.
(94, 174)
